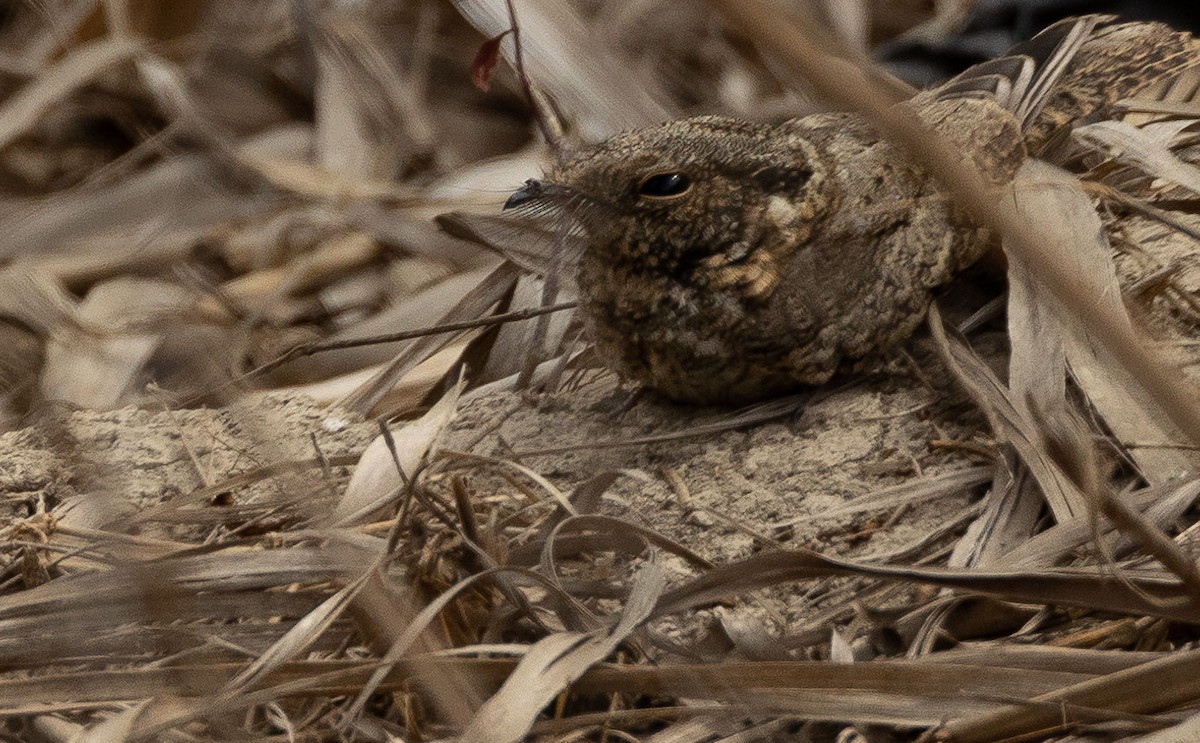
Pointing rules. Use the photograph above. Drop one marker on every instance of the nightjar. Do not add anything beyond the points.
(728, 260)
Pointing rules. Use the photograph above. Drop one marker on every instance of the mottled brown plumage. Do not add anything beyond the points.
(729, 260)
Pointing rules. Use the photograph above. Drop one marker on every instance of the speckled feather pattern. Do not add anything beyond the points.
(807, 247)
(1117, 62)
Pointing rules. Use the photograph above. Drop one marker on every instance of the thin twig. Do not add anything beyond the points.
(308, 349)
(541, 114)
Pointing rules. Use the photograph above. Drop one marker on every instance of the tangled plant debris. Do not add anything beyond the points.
(300, 443)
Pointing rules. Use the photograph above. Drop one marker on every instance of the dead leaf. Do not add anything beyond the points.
(376, 479)
(485, 61)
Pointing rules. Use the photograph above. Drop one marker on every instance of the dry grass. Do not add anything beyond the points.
(217, 204)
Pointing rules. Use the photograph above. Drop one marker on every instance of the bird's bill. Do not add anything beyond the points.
(535, 190)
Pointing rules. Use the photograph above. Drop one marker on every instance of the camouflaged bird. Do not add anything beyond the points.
(727, 260)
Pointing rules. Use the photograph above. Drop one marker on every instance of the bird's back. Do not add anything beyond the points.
(892, 238)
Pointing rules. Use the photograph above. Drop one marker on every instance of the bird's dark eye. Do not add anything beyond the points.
(665, 185)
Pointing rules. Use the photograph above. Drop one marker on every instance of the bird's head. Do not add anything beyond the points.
(707, 200)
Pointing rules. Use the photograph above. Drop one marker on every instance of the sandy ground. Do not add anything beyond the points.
(724, 495)
(145, 458)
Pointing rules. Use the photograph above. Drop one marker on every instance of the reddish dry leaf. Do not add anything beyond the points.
(590, 80)
(485, 61)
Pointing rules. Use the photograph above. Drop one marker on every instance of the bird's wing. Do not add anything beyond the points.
(1022, 80)
(1074, 71)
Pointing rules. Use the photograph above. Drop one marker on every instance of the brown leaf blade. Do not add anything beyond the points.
(1155, 594)
(555, 662)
